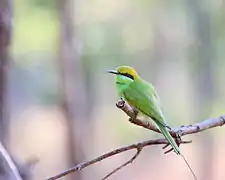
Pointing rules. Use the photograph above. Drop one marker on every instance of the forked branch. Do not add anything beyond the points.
(137, 146)
(181, 131)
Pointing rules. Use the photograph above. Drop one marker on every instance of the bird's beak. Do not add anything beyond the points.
(112, 72)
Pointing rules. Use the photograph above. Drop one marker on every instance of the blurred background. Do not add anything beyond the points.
(57, 102)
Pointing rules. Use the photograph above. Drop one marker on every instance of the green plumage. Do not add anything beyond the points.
(142, 96)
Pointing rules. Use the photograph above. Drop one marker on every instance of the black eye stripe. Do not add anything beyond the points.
(127, 75)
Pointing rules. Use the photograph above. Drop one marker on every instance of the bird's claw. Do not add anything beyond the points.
(122, 99)
(178, 138)
(120, 103)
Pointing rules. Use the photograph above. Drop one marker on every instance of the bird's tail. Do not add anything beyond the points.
(169, 138)
(189, 166)
(174, 146)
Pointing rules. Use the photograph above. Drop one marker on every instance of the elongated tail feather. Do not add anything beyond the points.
(174, 145)
(168, 137)
(189, 166)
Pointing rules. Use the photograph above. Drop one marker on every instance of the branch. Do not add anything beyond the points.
(181, 131)
(132, 113)
(125, 164)
(7, 165)
(137, 146)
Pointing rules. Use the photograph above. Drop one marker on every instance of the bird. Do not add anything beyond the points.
(142, 96)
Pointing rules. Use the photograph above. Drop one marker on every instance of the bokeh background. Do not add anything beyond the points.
(61, 102)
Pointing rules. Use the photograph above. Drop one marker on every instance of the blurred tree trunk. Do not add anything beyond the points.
(204, 64)
(5, 37)
(7, 168)
(72, 87)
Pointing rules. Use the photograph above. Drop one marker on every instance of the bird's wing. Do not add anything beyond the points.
(155, 98)
(145, 99)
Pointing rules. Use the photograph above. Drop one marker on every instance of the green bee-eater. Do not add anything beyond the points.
(142, 96)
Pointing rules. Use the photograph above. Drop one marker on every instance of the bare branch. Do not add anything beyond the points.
(125, 164)
(138, 145)
(181, 131)
(8, 165)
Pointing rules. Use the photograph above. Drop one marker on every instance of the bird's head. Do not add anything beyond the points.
(125, 75)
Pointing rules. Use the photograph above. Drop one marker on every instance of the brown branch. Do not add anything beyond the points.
(138, 145)
(125, 164)
(182, 130)
(132, 113)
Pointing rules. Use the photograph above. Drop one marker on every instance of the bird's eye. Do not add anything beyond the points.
(128, 75)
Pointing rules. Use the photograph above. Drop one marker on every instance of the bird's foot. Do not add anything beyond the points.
(121, 103)
(122, 99)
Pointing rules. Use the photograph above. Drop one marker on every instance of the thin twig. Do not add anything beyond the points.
(125, 164)
(112, 153)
